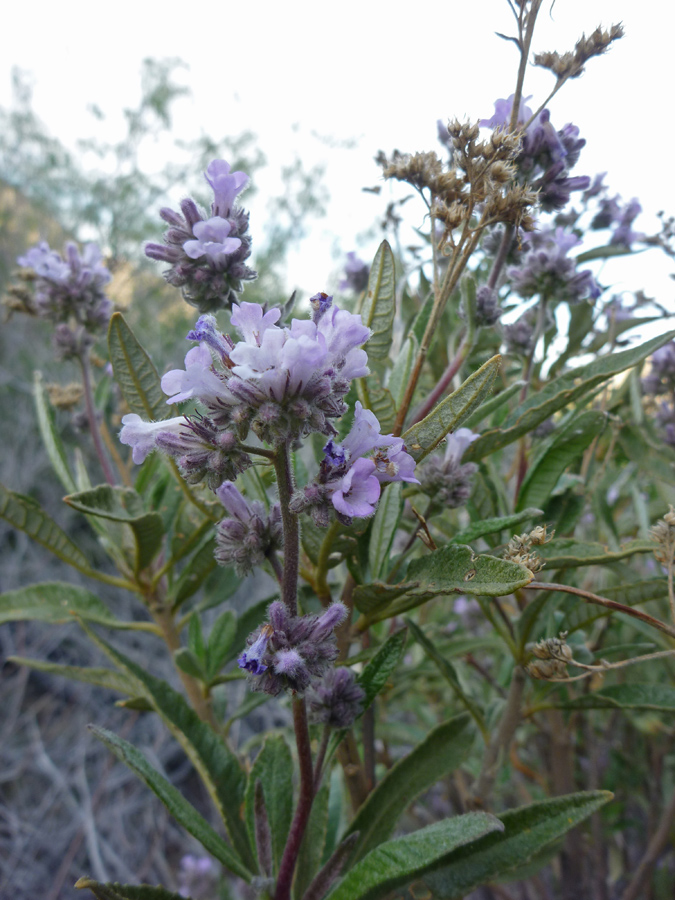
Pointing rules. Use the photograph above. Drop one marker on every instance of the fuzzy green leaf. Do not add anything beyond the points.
(135, 372)
(494, 525)
(568, 553)
(379, 305)
(50, 435)
(400, 373)
(107, 678)
(399, 862)
(527, 831)
(115, 891)
(184, 813)
(378, 671)
(26, 515)
(486, 409)
(195, 572)
(384, 528)
(559, 393)
(561, 450)
(273, 767)
(659, 697)
(217, 765)
(378, 399)
(121, 504)
(422, 438)
(56, 602)
(443, 750)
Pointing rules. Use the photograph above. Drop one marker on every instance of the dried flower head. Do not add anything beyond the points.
(551, 658)
(663, 534)
(571, 64)
(519, 548)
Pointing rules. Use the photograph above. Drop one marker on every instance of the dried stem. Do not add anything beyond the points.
(108, 473)
(654, 849)
(291, 526)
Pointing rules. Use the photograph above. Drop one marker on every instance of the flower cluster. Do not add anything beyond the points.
(289, 652)
(250, 535)
(444, 478)
(69, 291)
(661, 382)
(337, 699)
(546, 155)
(207, 254)
(546, 269)
(612, 213)
(356, 274)
(349, 482)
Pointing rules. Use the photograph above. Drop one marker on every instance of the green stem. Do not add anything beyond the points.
(91, 418)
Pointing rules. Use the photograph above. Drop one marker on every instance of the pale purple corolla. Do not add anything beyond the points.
(226, 185)
(212, 241)
(141, 436)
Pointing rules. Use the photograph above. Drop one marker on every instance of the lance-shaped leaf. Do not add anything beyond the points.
(659, 697)
(447, 670)
(217, 765)
(453, 569)
(184, 813)
(442, 751)
(493, 525)
(567, 553)
(486, 409)
(385, 524)
(116, 891)
(401, 370)
(107, 678)
(378, 399)
(135, 372)
(50, 435)
(397, 863)
(195, 572)
(313, 843)
(378, 671)
(121, 504)
(422, 438)
(27, 515)
(561, 450)
(273, 768)
(559, 393)
(527, 831)
(56, 602)
(379, 305)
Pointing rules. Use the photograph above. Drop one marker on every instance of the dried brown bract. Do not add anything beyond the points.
(65, 396)
(551, 658)
(571, 64)
(663, 533)
(519, 548)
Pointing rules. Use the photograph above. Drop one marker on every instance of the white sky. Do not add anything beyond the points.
(378, 74)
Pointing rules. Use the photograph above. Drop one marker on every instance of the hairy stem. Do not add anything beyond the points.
(91, 418)
(304, 807)
(291, 526)
(453, 367)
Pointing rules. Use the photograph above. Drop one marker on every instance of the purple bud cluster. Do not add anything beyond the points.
(349, 482)
(250, 534)
(546, 156)
(546, 269)
(519, 335)
(69, 291)
(207, 254)
(488, 310)
(443, 478)
(356, 274)
(290, 652)
(612, 213)
(336, 700)
(660, 382)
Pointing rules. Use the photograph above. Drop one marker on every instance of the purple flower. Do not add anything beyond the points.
(502, 114)
(358, 491)
(289, 652)
(207, 255)
(356, 274)
(547, 270)
(140, 435)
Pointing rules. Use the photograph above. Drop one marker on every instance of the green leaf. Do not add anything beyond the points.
(56, 602)
(568, 553)
(187, 662)
(453, 569)
(378, 671)
(115, 891)
(559, 393)
(107, 678)
(313, 843)
(397, 863)
(486, 409)
(426, 435)
(443, 750)
(220, 643)
(273, 767)
(562, 449)
(422, 318)
(379, 305)
(26, 515)
(400, 373)
(660, 697)
(184, 813)
(378, 399)
(494, 525)
(195, 573)
(247, 622)
(135, 372)
(50, 436)
(527, 831)
(605, 253)
(216, 764)
(121, 504)
(384, 528)
(447, 670)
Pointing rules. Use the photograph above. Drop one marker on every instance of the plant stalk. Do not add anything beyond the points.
(91, 418)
